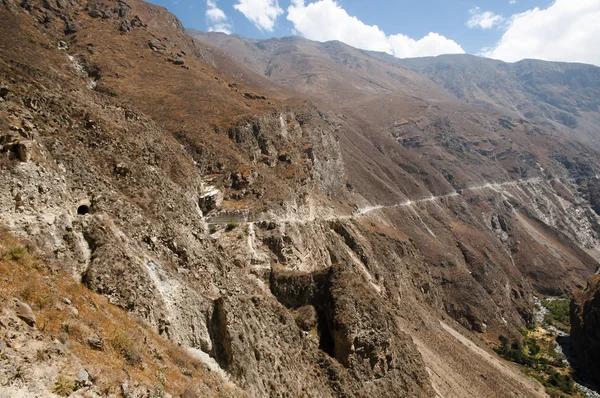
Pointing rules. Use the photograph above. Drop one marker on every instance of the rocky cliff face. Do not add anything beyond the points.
(585, 321)
(299, 248)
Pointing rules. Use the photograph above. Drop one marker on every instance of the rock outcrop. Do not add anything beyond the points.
(585, 328)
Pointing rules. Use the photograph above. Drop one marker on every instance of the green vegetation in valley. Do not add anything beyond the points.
(558, 313)
(535, 352)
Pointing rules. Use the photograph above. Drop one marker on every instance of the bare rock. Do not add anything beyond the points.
(125, 27)
(96, 343)
(176, 60)
(83, 378)
(210, 200)
(156, 46)
(241, 179)
(25, 312)
(24, 150)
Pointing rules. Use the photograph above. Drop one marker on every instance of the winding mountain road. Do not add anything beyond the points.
(246, 217)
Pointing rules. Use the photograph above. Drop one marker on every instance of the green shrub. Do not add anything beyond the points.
(231, 226)
(516, 352)
(562, 382)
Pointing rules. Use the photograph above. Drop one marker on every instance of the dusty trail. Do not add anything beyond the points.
(314, 216)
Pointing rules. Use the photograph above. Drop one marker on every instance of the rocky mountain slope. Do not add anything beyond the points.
(340, 227)
(562, 96)
(70, 339)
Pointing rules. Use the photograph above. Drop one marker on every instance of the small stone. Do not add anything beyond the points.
(479, 327)
(62, 45)
(83, 378)
(71, 28)
(125, 389)
(24, 150)
(95, 343)
(25, 312)
(4, 91)
(67, 301)
(125, 27)
(28, 126)
(74, 311)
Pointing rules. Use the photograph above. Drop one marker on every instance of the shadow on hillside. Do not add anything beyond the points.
(566, 346)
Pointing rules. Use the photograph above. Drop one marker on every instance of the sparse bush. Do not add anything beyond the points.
(15, 253)
(66, 327)
(43, 300)
(41, 355)
(158, 392)
(515, 353)
(162, 379)
(127, 347)
(64, 385)
(231, 226)
(182, 359)
(562, 382)
(186, 372)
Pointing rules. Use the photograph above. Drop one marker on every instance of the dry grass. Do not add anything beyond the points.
(64, 385)
(131, 349)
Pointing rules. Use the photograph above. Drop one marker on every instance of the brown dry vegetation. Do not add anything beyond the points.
(131, 350)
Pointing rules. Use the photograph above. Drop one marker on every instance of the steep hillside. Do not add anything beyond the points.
(58, 338)
(353, 231)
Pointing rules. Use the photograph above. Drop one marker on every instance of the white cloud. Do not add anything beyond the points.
(262, 13)
(216, 18)
(512, 2)
(325, 20)
(568, 30)
(483, 19)
(430, 45)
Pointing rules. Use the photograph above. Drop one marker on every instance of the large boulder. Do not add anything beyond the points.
(4, 91)
(211, 199)
(585, 328)
(24, 312)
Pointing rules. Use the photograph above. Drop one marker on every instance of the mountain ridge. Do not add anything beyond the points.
(516, 91)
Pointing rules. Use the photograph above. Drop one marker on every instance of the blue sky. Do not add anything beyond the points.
(560, 30)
